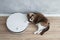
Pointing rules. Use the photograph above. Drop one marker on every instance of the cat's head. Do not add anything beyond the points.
(31, 17)
(34, 17)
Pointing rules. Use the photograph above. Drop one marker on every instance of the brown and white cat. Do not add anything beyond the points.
(40, 20)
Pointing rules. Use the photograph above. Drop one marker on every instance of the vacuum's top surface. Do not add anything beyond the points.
(17, 22)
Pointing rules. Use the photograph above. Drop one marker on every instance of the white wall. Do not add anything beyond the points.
(44, 6)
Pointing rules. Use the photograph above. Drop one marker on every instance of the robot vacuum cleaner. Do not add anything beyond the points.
(17, 22)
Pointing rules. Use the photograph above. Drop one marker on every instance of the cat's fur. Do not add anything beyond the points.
(40, 20)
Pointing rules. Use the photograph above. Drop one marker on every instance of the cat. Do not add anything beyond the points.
(40, 21)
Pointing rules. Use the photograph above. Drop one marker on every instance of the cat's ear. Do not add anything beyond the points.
(28, 16)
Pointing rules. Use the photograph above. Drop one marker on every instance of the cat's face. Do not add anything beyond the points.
(31, 17)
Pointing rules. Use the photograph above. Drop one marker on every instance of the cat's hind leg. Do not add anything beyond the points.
(40, 29)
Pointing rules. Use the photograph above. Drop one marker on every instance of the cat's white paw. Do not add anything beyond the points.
(37, 32)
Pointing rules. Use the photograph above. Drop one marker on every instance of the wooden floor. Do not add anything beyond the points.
(52, 34)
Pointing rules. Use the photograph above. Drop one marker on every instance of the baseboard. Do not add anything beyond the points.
(5, 14)
(48, 15)
(52, 15)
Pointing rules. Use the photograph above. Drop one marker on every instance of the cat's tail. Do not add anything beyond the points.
(46, 29)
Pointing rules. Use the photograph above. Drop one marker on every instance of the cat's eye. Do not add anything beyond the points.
(32, 15)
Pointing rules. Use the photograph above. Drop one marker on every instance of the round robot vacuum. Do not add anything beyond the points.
(17, 22)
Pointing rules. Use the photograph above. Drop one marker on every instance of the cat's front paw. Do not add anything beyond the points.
(37, 32)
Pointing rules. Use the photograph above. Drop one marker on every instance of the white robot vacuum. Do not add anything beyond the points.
(17, 22)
